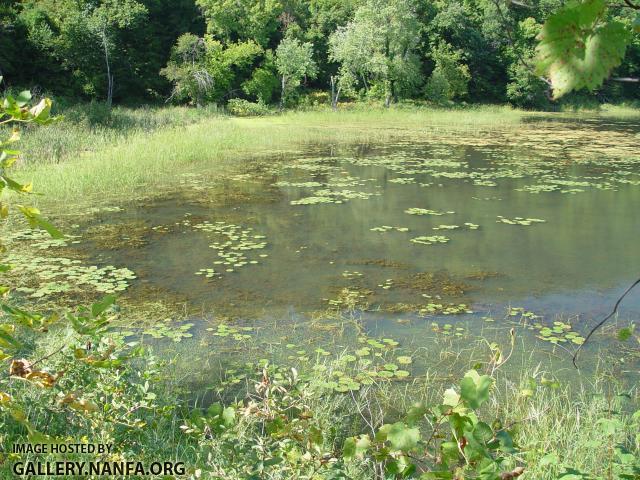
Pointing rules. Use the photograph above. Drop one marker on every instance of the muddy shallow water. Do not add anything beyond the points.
(526, 226)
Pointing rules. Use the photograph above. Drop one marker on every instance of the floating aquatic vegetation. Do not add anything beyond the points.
(207, 272)
(174, 333)
(403, 180)
(314, 201)
(430, 284)
(424, 211)
(232, 249)
(333, 196)
(67, 274)
(387, 228)
(236, 333)
(485, 183)
(444, 309)
(446, 227)
(349, 274)
(471, 226)
(351, 299)
(388, 283)
(310, 184)
(41, 240)
(113, 236)
(519, 220)
(448, 329)
(105, 209)
(482, 275)
(522, 313)
(430, 240)
(560, 332)
(538, 188)
(194, 181)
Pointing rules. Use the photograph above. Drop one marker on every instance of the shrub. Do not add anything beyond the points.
(244, 108)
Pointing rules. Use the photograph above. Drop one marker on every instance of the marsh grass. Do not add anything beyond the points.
(136, 151)
(572, 426)
(133, 153)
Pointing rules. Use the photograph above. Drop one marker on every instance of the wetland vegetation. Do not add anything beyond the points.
(269, 282)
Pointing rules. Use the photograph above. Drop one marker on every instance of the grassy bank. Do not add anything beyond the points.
(279, 419)
(103, 162)
(127, 154)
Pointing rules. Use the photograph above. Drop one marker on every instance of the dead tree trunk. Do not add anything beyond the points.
(335, 92)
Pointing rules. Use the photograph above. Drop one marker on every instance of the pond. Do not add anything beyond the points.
(449, 232)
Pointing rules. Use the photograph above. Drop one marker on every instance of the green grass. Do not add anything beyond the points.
(132, 152)
(72, 161)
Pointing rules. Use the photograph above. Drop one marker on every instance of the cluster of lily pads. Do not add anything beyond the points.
(351, 299)
(519, 220)
(559, 332)
(351, 274)
(433, 308)
(235, 242)
(333, 196)
(50, 275)
(236, 333)
(388, 228)
(447, 329)
(41, 240)
(425, 211)
(430, 240)
(165, 330)
(446, 227)
(373, 362)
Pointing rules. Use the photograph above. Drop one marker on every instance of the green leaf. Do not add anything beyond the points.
(7, 340)
(451, 398)
(402, 437)
(41, 111)
(356, 446)
(23, 98)
(229, 416)
(578, 48)
(273, 461)
(475, 389)
(99, 307)
(35, 220)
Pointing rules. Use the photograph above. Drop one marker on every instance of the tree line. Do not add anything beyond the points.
(276, 51)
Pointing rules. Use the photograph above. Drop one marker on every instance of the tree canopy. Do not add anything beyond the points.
(531, 53)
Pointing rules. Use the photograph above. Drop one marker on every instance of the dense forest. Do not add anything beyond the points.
(290, 51)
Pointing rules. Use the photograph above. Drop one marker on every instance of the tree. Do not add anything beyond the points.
(83, 36)
(450, 77)
(104, 20)
(203, 69)
(294, 61)
(264, 80)
(186, 69)
(379, 45)
(242, 20)
(525, 87)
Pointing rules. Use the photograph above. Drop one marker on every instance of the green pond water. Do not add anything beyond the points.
(434, 235)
